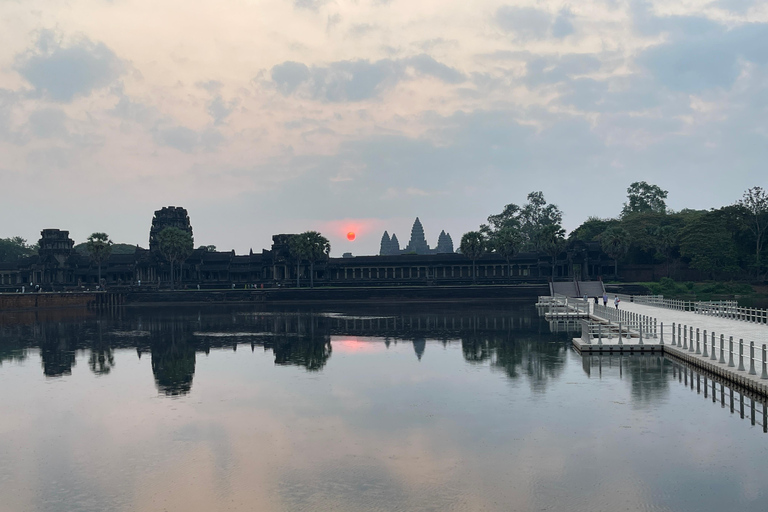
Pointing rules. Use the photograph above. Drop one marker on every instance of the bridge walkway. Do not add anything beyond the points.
(708, 342)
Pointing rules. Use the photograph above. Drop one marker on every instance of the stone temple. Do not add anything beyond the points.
(58, 267)
(417, 244)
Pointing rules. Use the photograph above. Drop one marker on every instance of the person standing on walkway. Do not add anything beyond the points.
(616, 301)
(605, 299)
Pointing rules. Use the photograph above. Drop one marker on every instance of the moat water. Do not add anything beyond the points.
(356, 408)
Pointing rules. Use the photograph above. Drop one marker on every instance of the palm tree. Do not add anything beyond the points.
(175, 244)
(615, 243)
(473, 245)
(310, 246)
(99, 246)
(297, 247)
(318, 248)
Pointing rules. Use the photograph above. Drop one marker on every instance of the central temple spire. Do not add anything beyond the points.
(418, 243)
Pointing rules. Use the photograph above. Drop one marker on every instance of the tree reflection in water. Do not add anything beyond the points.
(511, 337)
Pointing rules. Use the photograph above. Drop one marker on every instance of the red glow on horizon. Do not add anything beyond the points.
(348, 345)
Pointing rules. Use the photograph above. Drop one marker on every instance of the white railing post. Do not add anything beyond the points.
(765, 371)
(661, 337)
(730, 352)
(741, 354)
(705, 354)
(752, 358)
(722, 351)
(713, 357)
(620, 335)
(685, 337)
(698, 345)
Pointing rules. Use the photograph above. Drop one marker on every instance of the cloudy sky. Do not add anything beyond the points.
(276, 116)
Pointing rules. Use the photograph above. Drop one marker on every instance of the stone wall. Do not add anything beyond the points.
(14, 301)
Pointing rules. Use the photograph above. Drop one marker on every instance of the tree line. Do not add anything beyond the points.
(722, 243)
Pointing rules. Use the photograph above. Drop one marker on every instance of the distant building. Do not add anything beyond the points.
(389, 246)
(417, 244)
(444, 243)
(168, 217)
(58, 267)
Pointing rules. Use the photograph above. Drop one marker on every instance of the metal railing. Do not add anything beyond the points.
(565, 307)
(633, 321)
(731, 310)
(712, 346)
(719, 308)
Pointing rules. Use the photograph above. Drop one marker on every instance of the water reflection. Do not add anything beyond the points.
(512, 339)
(359, 408)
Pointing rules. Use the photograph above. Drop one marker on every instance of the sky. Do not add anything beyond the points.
(281, 116)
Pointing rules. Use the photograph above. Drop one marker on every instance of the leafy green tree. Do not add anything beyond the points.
(591, 229)
(506, 242)
(708, 243)
(99, 246)
(530, 219)
(536, 216)
(615, 243)
(552, 241)
(666, 241)
(755, 205)
(207, 248)
(473, 246)
(644, 197)
(13, 248)
(175, 245)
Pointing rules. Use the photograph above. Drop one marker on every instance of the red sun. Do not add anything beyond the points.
(351, 236)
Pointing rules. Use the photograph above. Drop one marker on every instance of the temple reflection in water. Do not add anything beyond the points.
(510, 338)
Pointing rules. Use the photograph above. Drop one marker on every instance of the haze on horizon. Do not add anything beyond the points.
(335, 115)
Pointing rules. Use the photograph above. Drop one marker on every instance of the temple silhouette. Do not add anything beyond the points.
(58, 267)
(390, 246)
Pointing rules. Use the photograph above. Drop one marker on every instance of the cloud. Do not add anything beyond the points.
(48, 123)
(738, 6)
(553, 69)
(310, 5)
(428, 66)
(563, 25)
(65, 72)
(532, 23)
(289, 75)
(219, 109)
(697, 60)
(187, 140)
(356, 80)
(8, 100)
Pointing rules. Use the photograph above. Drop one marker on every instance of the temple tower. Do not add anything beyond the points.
(385, 242)
(418, 243)
(444, 243)
(54, 246)
(394, 245)
(167, 217)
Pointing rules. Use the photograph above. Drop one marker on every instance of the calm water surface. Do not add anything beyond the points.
(444, 408)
